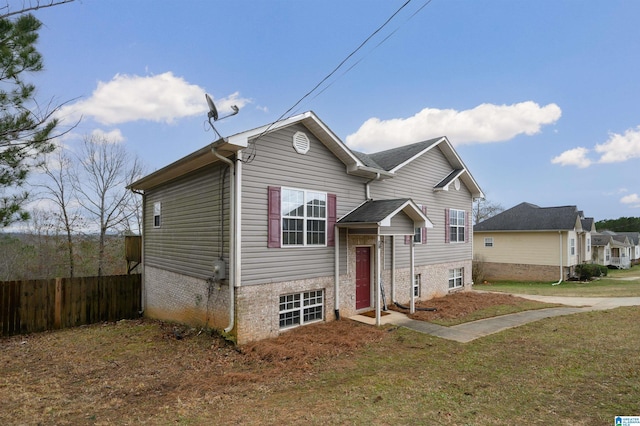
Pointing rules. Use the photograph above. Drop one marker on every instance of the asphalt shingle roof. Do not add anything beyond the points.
(373, 211)
(529, 217)
(392, 158)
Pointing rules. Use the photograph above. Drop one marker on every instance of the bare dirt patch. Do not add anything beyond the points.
(458, 306)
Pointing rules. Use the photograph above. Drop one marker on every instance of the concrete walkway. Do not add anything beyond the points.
(473, 330)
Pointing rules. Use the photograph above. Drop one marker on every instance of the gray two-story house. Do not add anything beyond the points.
(284, 225)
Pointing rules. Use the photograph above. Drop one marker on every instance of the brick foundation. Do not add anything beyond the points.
(520, 272)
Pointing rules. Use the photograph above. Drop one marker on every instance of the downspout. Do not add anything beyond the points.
(336, 273)
(561, 274)
(412, 278)
(378, 281)
(232, 237)
(393, 269)
(367, 191)
(143, 289)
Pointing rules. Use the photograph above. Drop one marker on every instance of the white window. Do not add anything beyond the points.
(573, 246)
(157, 210)
(304, 218)
(456, 226)
(417, 281)
(455, 278)
(417, 235)
(488, 242)
(607, 255)
(588, 245)
(301, 308)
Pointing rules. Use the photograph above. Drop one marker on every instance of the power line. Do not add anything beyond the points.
(251, 156)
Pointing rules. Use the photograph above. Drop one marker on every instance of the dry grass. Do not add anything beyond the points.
(579, 369)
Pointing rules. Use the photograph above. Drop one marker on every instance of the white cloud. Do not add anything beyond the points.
(619, 148)
(632, 199)
(573, 157)
(160, 98)
(483, 124)
(113, 136)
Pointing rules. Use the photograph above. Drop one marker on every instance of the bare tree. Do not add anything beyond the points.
(18, 7)
(59, 189)
(484, 209)
(104, 170)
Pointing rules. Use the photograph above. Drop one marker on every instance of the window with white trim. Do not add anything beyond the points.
(304, 218)
(573, 246)
(417, 235)
(455, 278)
(301, 308)
(607, 254)
(456, 225)
(488, 241)
(417, 281)
(157, 212)
(588, 245)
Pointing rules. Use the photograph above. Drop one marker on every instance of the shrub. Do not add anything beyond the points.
(588, 271)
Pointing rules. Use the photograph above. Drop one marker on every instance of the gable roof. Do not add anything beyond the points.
(529, 217)
(380, 213)
(381, 165)
(634, 237)
(394, 159)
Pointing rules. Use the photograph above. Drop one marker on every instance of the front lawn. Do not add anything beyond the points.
(618, 283)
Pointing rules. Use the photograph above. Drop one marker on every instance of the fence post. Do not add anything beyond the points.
(57, 319)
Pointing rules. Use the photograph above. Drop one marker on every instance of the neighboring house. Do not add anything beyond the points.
(601, 244)
(634, 241)
(613, 249)
(284, 225)
(528, 242)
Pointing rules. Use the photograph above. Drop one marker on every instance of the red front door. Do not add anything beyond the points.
(363, 277)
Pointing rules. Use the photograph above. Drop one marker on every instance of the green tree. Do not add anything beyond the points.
(26, 130)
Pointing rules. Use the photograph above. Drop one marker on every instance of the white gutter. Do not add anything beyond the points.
(232, 237)
(393, 269)
(412, 268)
(367, 191)
(336, 272)
(561, 274)
(378, 280)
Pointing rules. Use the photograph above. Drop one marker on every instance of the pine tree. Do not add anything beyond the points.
(25, 130)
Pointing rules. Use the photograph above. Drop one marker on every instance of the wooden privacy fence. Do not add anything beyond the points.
(38, 305)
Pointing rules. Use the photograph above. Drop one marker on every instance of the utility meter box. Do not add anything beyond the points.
(219, 269)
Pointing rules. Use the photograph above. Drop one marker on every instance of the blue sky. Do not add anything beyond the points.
(540, 99)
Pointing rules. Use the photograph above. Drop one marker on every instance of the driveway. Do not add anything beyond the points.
(473, 330)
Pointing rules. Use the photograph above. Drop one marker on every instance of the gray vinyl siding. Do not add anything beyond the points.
(416, 180)
(188, 240)
(277, 164)
(400, 224)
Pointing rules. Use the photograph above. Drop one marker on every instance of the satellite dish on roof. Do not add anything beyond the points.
(213, 113)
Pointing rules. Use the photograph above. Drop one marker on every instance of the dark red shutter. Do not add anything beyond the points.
(274, 227)
(332, 216)
(447, 223)
(424, 230)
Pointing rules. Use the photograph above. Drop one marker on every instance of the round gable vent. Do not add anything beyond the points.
(301, 142)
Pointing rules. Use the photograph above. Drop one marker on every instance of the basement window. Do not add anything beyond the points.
(301, 308)
(455, 278)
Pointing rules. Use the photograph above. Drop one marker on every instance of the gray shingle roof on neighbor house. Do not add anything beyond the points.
(600, 239)
(392, 158)
(529, 217)
(373, 211)
(634, 237)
